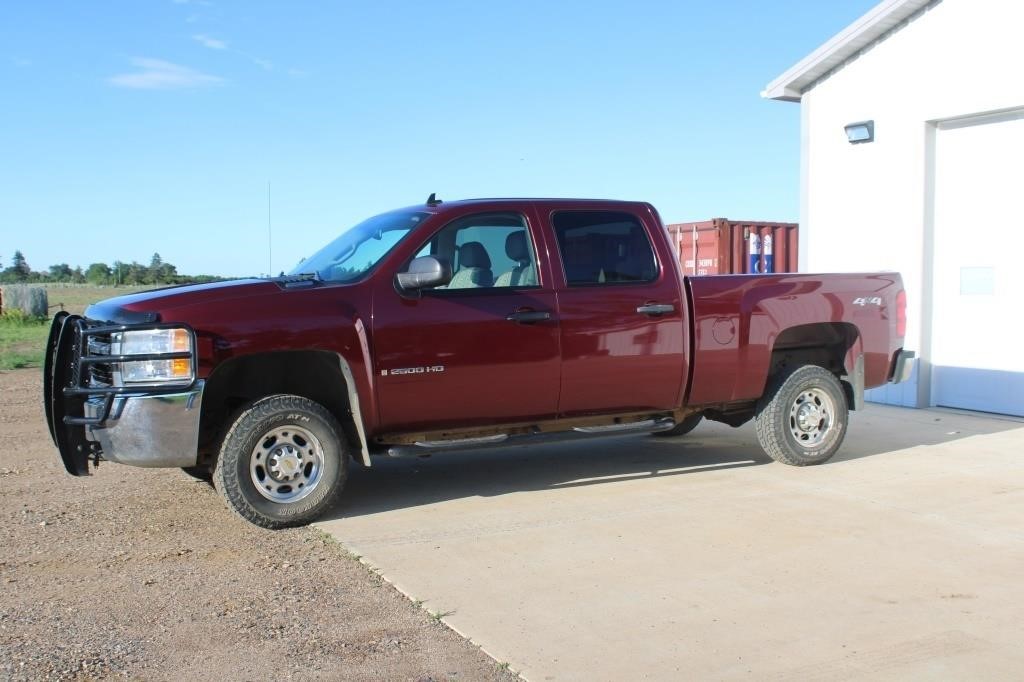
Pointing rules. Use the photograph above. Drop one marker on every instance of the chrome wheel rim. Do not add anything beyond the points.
(811, 417)
(287, 463)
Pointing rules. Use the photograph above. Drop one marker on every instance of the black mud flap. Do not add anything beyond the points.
(58, 369)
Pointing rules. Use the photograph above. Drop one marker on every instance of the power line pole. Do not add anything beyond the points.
(270, 240)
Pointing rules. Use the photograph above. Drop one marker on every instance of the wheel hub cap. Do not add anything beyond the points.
(286, 464)
(808, 417)
(811, 417)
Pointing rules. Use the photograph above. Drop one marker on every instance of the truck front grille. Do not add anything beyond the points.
(101, 374)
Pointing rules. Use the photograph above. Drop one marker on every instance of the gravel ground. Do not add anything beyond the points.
(145, 574)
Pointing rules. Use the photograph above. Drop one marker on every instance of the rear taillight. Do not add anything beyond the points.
(901, 313)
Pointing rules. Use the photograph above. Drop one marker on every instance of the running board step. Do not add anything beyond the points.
(645, 426)
(426, 448)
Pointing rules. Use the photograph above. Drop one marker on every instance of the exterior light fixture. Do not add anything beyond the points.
(860, 132)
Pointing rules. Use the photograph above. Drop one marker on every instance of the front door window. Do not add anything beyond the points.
(486, 251)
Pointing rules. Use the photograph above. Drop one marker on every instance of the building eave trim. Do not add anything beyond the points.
(875, 23)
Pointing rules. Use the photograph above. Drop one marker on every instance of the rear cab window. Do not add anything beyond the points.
(604, 248)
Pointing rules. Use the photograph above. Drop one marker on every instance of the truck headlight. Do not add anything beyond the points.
(155, 370)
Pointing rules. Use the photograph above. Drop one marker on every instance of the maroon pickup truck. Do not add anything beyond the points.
(460, 326)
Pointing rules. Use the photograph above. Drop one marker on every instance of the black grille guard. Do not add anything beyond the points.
(66, 387)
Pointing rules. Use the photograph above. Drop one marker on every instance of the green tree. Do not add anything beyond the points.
(20, 265)
(134, 274)
(155, 270)
(98, 273)
(168, 274)
(60, 273)
(19, 270)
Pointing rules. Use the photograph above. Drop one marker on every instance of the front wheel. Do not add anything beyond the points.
(283, 462)
(802, 418)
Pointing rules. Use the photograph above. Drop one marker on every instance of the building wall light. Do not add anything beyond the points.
(860, 132)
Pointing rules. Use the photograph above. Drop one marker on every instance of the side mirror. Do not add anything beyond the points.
(424, 272)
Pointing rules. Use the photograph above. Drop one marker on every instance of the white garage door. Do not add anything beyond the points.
(978, 315)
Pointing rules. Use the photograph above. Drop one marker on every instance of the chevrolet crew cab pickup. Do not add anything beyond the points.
(460, 326)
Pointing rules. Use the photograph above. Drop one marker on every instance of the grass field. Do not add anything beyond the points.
(22, 342)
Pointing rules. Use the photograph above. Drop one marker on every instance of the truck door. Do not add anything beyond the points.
(620, 308)
(481, 350)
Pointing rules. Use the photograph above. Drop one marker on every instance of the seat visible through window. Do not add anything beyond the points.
(517, 248)
(474, 268)
(480, 246)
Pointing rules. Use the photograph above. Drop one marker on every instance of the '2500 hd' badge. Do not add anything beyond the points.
(412, 370)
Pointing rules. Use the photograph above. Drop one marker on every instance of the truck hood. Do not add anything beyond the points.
(147, 306)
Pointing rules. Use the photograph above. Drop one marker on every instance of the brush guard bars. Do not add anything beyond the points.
(84, 405)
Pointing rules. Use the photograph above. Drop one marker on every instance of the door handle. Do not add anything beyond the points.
(529, 316)
(655, 308)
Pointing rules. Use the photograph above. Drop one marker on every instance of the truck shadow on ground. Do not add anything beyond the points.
(880, 430)
(410, 482)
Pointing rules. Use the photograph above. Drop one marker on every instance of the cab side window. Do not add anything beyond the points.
(604, 247)
(486, 251)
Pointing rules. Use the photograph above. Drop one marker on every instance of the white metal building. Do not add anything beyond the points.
(929, 182)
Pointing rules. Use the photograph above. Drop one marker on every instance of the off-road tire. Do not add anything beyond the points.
(776, 424)
(232, 477)
(204, 474)
(682, 428)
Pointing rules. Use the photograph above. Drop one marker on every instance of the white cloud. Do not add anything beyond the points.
(264, 64)
(218, 44)
(156, 74)
(210, 42)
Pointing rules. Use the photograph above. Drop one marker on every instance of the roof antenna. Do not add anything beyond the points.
(432, 200)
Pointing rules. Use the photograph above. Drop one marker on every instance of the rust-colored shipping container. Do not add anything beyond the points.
(722, 247)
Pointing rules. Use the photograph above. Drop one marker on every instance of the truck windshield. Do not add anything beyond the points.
(360, 248)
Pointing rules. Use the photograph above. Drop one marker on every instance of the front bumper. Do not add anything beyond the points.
(150, 427)
(149, 430)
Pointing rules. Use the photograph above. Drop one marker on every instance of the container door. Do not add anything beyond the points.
(621, 315)
(699, 251)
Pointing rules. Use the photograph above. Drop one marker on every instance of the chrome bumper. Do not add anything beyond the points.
(149, 430)
(902, 366)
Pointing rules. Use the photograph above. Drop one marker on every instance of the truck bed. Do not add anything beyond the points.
(741, 324)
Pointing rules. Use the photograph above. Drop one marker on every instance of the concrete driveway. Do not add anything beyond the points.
(694, 558)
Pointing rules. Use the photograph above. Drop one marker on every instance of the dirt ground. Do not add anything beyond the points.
(145, 574)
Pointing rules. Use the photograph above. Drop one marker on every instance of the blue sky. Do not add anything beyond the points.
(155, 125)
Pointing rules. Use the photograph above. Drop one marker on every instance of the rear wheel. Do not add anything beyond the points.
(283, 462)
(682, 428)
(802, 419)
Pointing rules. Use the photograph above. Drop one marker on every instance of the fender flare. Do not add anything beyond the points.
(854, 377)
(355, 409)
